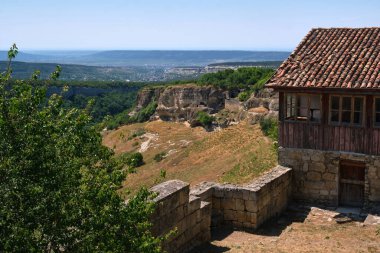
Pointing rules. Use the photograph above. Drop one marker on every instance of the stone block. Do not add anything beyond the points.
(250, 206)
(317, 156)
(240, 216)
(251, 217)
(230, 215)
(216, 203)
(194, 204)
(317, 166)
(218, 191)
(329, 176)
(324, 192)
(237, 224)
(168, 188)
(240, 205)
(228, 204)
(313, 176)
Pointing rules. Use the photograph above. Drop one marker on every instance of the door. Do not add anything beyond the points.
(351, 183)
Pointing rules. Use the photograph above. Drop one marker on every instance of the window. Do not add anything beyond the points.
(377, 112)
(347, 110)
(302, 107)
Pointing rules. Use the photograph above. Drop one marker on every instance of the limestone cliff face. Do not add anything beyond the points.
(180, 103)
(147, 95)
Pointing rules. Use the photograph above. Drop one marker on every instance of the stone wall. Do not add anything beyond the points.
(176, 210)
(316, 174)
(251, 205)
(210, 204)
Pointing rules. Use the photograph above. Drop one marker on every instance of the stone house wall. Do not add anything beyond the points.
(211, 204)
(316, 174)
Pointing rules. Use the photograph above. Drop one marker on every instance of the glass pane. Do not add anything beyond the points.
(302, 101)
(346, 116)
(377, 104)
(315, 102)
(358, 105)
(377, 120)
(335, 103)
(315, 115)
(302, 112)
(290, 106)
(334, 116)
(346, 103)
(358, 118)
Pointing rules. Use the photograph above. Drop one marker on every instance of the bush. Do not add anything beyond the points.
(269, 127)
(134, 160)
(204, 119)
(243, 96)
(159, 157)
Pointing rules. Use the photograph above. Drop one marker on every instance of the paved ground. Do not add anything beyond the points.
(302, 229)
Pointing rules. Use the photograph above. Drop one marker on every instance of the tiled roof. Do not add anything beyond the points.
(333, 58)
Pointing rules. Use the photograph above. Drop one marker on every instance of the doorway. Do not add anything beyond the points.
(351, 183)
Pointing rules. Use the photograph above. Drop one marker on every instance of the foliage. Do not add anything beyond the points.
(160, 156)
(124, 118)
(110, 103)
(242, 78)
(269, 127)
(204, 118)
(58, 183)
(243, 96)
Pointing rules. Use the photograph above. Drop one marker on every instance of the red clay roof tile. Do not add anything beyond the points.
(333, 58)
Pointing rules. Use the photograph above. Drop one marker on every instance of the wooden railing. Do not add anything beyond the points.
(329, 138)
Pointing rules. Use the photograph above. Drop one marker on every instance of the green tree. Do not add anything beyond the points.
(58, 184)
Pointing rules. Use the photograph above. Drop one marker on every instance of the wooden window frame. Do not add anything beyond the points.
(308, 95)
(374, 112)
(352, 111)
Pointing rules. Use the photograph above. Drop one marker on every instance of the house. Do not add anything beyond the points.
(329, 116)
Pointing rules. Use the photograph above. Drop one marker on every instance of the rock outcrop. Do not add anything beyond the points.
(147, 95)
(182, 102)
(264, 104)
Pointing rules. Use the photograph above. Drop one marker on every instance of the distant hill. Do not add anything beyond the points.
(24, 70)
(163, 58)
(264, 64)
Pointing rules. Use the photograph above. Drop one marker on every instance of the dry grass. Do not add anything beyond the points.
(235, 154)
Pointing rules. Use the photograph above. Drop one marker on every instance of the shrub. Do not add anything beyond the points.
(269, 127)
(243, 96)
(134, 160)
(204, 119)
(159, 157)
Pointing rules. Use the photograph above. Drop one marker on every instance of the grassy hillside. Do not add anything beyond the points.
(235, 154)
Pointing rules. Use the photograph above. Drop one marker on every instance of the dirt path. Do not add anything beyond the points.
(313, 230)
(146, 144)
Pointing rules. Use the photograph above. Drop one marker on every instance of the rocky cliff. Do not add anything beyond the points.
(182, 102)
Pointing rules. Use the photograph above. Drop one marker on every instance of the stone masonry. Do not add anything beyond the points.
(316, 174)
(209, 204)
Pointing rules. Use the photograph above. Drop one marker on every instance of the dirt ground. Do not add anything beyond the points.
(236, 154)
(299, 230)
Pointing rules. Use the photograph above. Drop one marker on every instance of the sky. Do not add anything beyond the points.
(175, 24)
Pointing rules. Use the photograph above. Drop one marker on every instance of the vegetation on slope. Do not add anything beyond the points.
(236, 154)
(252, 79)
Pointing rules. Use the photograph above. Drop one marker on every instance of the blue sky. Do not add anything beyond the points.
(175, 24)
